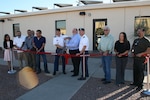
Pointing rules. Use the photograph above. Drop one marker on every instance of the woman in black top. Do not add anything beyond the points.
(122, 47)
(8, 45)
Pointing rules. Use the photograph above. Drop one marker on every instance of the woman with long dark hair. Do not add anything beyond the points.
(8, 45)
(122, 47)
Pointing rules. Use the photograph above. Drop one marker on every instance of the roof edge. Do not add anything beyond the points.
(80, 8)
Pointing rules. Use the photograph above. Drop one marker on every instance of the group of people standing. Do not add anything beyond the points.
(31, 47)
(78, 45)
(27, 49)
(140, 47)
(121, 49)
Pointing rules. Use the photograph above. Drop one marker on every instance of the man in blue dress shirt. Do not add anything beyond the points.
(73, 45)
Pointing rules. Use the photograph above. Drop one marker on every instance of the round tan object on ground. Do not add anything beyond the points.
(28, 78)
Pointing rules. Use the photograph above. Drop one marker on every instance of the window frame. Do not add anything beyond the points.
(60, 28)
(95, 38)
(147, 28)
(15, 29)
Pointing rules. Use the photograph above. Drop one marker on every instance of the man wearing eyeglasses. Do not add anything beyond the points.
(106, 47)
(73, 46)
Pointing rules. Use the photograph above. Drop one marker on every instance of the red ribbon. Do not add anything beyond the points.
(67, 56)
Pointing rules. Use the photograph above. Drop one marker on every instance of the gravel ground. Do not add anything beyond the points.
(9, 86)
(95, 90)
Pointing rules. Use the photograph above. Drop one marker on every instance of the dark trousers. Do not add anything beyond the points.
(75, 61)
(86, 65)
(120, 69)
(38, 68)
(56, 62)
(31, 60)
(138, 71)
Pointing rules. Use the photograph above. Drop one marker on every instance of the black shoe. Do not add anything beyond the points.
(47, 72)
(64, 72)
(38, 72)
(103, 79)
(54, 73)
(82, 78)
(106, 82)
(118, 85)
(122, 83)
(85, 76)
(72, 71)
(139, 88)
(74, 75)
(133, 84)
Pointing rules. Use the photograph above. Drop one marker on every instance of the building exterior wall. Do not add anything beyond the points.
(1, 35)
(118, 19)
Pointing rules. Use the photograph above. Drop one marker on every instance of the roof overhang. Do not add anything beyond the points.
(40, 8)
(80, 8)
(5, 13)
(20, 10)
(123, 0)
(62, 5)
(87, 2)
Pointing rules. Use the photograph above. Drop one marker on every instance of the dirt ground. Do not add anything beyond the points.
(10, 88)
(95, 90)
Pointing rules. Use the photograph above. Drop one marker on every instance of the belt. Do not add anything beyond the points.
(73, 49)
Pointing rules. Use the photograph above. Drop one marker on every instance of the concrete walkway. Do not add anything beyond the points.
(63, 87)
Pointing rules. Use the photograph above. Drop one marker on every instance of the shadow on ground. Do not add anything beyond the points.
(95, 90)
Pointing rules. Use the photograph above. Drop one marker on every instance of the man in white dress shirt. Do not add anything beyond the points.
(83, 48)
(59, 42)
(18, 44)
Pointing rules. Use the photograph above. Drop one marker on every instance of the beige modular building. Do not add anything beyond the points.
(119, 16)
